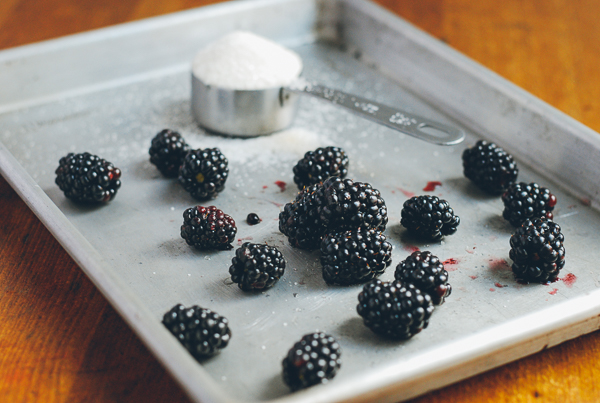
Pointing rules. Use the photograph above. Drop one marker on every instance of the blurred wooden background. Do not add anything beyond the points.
(60, 340)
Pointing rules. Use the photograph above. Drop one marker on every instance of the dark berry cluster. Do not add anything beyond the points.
(167, 151)
(318, 165)
(429, 217)
(489, 167)
(256, 267)
(314, 360)
(203, 173)
(300, 219)
(523, 201)
(87, 178)
(426, 272)
(394, 309)
(201, 331)
(537, 251)
(208, 228)
(354, 256)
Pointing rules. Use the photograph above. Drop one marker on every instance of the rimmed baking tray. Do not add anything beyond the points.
(110, 91)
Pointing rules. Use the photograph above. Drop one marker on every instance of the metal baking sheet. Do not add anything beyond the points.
(110, 91)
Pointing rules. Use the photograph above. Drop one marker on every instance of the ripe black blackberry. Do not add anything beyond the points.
(167, 150)
(208, 228)
(354, 256)
(318, 165)
(315, 359)
(300, 220)
(349, 205)
(429, 217)
(256, 267)
(394, 309)
(87, 178)
(537, 251)
(426, 272)
(201, 331)
(203, 173)
(523, 201)
(489, 167)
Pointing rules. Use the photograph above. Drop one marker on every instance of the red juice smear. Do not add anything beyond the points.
(275, 203)
(431, 185)
(281, 185)
(492, 289)
(499, 285)
(569, 279)
(406, 192)
(241, 240)
(499, 264)
(553, 292)
(473, 277)
(411, 248)
(450, 264)
(265, 186)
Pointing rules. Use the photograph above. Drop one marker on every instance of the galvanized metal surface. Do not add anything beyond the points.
(132, 250)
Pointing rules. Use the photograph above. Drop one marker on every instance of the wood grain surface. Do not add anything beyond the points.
(61, 341)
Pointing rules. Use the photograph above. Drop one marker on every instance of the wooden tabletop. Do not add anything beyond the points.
(61, 341)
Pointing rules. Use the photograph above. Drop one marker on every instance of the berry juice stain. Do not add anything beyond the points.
(499, 285)
(473, 277)
(499, 264)
(450, 264)
(406, 193)
(569, 279)
(553, 292)
(431, 185)
(281, 185)
(411, 248)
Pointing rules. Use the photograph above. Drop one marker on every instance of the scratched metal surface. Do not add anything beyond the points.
(137, 235)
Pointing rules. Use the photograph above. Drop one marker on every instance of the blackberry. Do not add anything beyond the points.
(318, 165)
(208, 228)
(394, 309)
(167, 151)
(354, 256)
(253, 219)
(256, 267)
(489, 167)
(201, 331)
(315, 359)
(537, 251)
(523, 201)
(300, 219)
(87, 178)
(426, 272)
(203, 173)
(429, 217)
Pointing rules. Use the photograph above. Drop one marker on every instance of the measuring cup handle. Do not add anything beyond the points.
(394, 118)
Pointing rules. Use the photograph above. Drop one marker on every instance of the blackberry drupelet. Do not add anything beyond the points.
(318, 165)
(537, 251)
(523, 201)
(354, 256)
(167, 150)
(201, 331)
(203, 173)
(208, 228)
(256, 267)
(300, 220)
(349, 205)
(253, 219)
(429, 217)
(489, 167)
(87, 178)
(426, 272)
(394, 309)
(315, 359)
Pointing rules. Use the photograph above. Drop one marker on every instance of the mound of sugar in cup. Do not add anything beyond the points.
(244, 61)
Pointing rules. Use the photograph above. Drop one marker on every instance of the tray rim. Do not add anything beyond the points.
(387, 380)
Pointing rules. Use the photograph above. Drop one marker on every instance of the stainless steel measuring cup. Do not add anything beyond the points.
(248, 113)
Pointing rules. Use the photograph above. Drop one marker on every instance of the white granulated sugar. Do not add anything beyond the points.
(245, 61)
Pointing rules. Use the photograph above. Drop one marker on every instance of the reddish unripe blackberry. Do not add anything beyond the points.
(429, 217)
(537, 251)
(523, 201)
(426, 272)
(208, 228)
(314, 360)
(201, 331)
(394, 309)
(167, 150)
(87, 178)
(256, 267)
(318, 165)
(489, 167)
(355, 256)
(203, 173)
